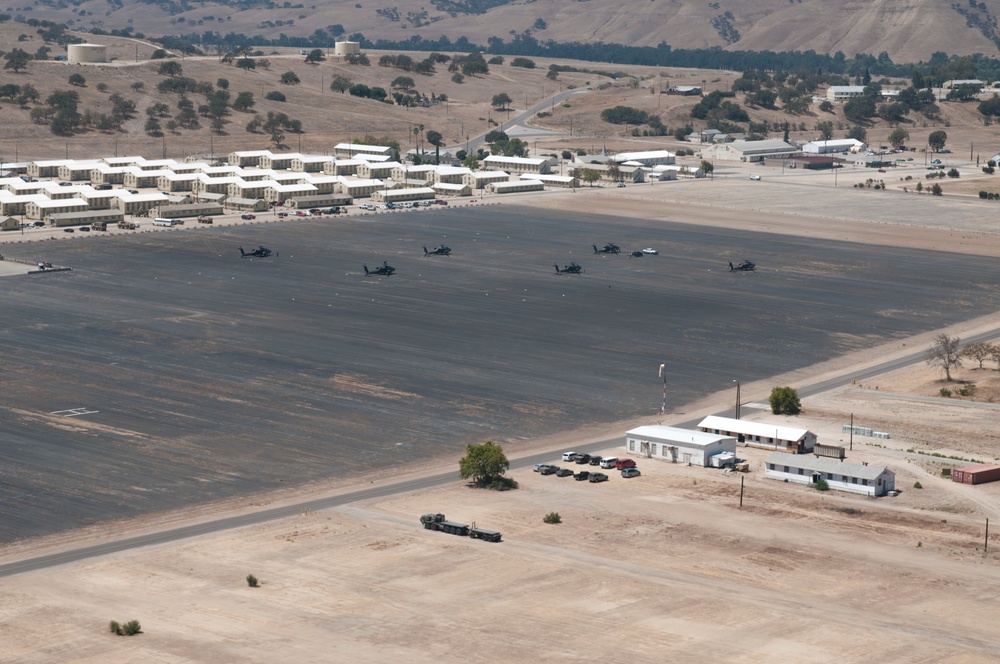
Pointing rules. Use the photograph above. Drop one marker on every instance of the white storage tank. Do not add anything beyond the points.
(344, 48)
(82, 53)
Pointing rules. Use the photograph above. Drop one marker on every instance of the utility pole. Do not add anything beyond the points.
(663, 374)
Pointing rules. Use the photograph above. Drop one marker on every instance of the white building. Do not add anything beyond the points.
(567, 181)
(514, 187)
(761, 434)
(515, 164)
(844, 92)
(695, 448)
(841, 475)
(749, 150)
(647, 158)
(832, 146)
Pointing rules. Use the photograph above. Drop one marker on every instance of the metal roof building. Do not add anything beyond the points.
(695, 448)
(761, 434)
(841, 475)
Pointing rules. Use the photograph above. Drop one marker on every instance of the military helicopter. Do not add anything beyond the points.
(438, 251)
(572, 268)
(609, 248)
(386, 270)
(259, 252)
(745, 266)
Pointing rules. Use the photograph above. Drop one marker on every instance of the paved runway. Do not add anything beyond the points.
(199, 375)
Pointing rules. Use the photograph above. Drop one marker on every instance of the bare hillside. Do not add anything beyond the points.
(908, 30)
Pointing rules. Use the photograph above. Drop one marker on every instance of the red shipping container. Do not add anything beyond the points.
(984, 472)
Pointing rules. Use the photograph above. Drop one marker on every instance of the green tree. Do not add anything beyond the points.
(945, 352)
(290, 78)
(825, 130)
(222, 84)
(247, 63)
(402, 83)
(244, 102)
(501, 101)
(858, 133)
(485, 464)
(936, 190)
(274, 95)
(937, 139)
(153, 127)
(17, 60)
(785, 401)
(898, 137)
(77, 80)
(589, 175)
(170, 68)
(826, 106)
(10, 90)
(707, 167)
(340, 84)
(436, 139)
(315, 56)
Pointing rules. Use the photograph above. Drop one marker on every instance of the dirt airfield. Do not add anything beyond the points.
(663, 567)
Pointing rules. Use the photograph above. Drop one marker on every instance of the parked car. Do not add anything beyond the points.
(248, 216)
(622, 464)
(650, 250)
(609, 462)
(595, 460)
(68, 230)
(582, 475)
(539, 467)
(564, 472)
(568, 456)
(582, 458)
(620, 185)
(631, 472)
(598, 477)
(38, 224)
(84, 229)
(549, 470)
(754, 177)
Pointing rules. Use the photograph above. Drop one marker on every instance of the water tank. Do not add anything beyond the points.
(78, 53)
(346, 48)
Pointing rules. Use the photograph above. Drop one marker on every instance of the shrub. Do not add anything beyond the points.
(131, 628)
(274, 95)
(953, 173)
(552, 517)
(967, 390)
(252, 581)
(821, 485)
(946, 472)
(918, 485)
(522, 62)
(502, 484)
(945, 392)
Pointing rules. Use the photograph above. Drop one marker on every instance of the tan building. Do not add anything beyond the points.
(41, 209)
(515, 164)
(451, 174)
(518, 187)
(310, 163)
(86, 217)
(177, 181)
(138, 203)
(279, 193)
(320, 200)
(377, 170)
(77, 170)
(247, 157)
(451, 189)
(46, 169)
(359, 188)
(143, 179)
(189, 210)
(352, 150)
(479, 179)
(403, 195)
(342, 167)
(247, 204)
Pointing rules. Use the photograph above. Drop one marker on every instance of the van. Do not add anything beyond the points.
(622, 464)
(568, 456)
(609, 462)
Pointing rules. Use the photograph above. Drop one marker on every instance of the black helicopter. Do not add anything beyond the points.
(572, 268)
(259, 252)
(438, 251)
(745, 266)
(386, 270)
(609, 248)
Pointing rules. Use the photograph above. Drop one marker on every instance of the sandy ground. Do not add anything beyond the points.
(666, 566)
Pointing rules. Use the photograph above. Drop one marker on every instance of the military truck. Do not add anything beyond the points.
(438, 522)
(127, 225)
(204, 220)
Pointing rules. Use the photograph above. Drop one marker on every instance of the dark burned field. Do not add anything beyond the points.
(204, 376)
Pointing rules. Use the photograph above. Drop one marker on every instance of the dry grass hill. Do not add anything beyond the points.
(908, 30)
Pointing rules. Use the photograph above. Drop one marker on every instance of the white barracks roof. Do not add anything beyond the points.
(676, 434)
(823, 465)
(762, 429)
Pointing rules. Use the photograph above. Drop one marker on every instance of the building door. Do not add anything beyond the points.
(687, 459)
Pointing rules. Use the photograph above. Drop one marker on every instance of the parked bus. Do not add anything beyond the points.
(162, 221)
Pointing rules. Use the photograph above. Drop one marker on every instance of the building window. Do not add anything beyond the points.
(801, 471)
(786, 469)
